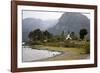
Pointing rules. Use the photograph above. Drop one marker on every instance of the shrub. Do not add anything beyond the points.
(86, 46)
(36, 43)
(69, 44)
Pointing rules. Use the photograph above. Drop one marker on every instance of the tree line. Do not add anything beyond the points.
(38, 35)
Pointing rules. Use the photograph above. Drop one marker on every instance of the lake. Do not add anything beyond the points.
(31, 55)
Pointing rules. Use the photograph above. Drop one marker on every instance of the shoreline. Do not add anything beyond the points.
(65, 55)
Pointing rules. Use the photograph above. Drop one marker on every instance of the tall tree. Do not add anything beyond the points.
(62, 36)
(73, 36)
(35, 35)
(47, 35)
(82, 33)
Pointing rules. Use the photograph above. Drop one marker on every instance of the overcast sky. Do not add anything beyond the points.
(45, 15)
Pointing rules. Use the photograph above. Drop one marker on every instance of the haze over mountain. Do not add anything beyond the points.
(30, 24)
(71, 22)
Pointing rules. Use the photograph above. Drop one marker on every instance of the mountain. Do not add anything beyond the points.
(71, 22)
(30, 24)
(49, 24)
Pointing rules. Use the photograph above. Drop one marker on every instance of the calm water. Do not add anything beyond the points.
(29, 54)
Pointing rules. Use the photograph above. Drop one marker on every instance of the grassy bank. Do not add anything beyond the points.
(67, 53)
(63, 49)
(71, 49)
(67, 45)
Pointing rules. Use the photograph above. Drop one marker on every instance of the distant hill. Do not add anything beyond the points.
(71, 22)
(30, 24)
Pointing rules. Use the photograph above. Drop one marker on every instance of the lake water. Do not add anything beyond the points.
(29, 54)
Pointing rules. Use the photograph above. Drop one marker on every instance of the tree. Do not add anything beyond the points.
(82, 33)
(73, 36)
(46, 34)
(38, 35)
(62, 36)
(35, 35)
(30, 35)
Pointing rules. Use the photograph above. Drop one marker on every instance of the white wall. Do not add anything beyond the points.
(5, 33)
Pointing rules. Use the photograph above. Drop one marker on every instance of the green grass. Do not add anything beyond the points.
(77, 50)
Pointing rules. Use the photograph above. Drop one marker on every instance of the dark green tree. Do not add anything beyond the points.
(38, 35)
(82, 33)
(30, 36)
(73, 36)
(62, 36)
(47, 36)
(35, 35)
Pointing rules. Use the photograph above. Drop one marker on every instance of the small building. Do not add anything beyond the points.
(68, 37)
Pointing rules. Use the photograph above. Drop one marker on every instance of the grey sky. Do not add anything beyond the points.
(42, 15)
(45, 15)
